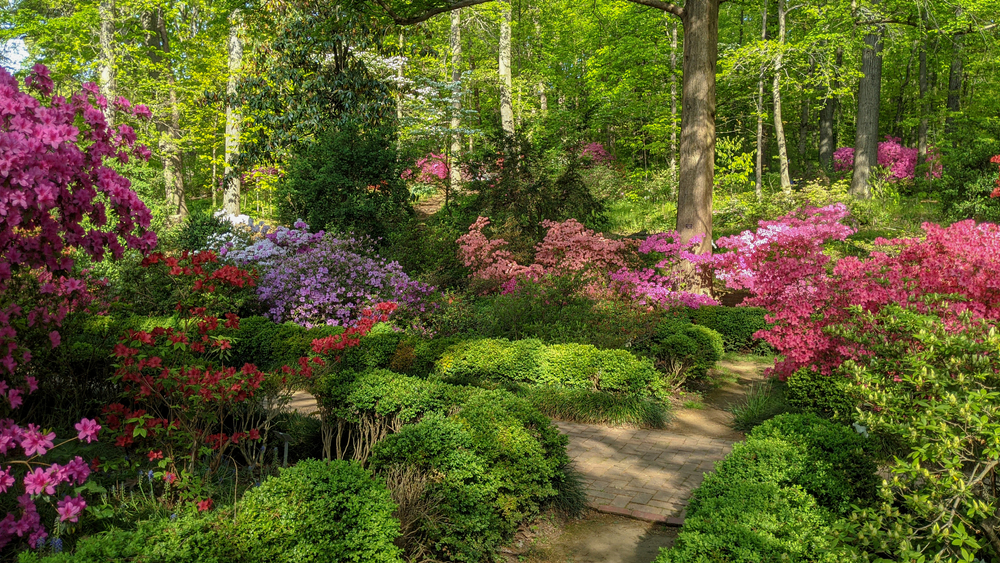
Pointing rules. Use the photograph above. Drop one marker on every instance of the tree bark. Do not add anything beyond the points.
(827, 131)
(231, 195)
(106, 11)
(168, 127)
(779, 126)
(924, 107)
(455, 174)
(759, 170)
(673, 101)
(697, 145)
(506, 106)
(954, 85)
(869, 97)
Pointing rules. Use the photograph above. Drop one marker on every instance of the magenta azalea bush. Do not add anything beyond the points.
(596, 153)
(56, 194)
(784, 265)
(899, 161)
(431, 169)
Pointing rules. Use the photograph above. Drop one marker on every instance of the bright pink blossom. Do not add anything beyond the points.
(87, 429)
(69, 509)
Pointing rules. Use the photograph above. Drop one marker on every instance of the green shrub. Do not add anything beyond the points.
(188, 538)
(777, 495)
(318, 511)
(685, 351)
(753, 522)
(737, 326)
(575, 366)
(825, 395)
(269, 345)
(198, 227)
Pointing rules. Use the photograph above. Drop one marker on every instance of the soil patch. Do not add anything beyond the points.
(727, 385)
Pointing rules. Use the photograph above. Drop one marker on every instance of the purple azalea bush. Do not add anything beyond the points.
(662, 284)
(331, 280)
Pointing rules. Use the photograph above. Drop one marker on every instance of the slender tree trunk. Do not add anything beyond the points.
(869, 96)
(456, 105)
(897, 122)
(827, 131)
(804, 124)
(506, 106)
(924, 107)
(399, 80)
(106, 11)
(955, 85)
(673, 101)
(779, 126)
(231, 195)
(697, 143)
(759, 170)
(168, 127)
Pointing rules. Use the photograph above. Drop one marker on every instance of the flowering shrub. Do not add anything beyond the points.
(570, 249)
(52, 154)
(596, 153)
(431, 169)
(899, 161)
(331, 281)
(783, 264)
(661, 283)
(276, 244)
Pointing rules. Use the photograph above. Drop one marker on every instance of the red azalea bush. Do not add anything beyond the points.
(784, 265)
(996, 191)
(56, 194)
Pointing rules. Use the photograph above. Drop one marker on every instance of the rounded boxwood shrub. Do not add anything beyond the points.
(318, 511)
(825, 395)
(736, 325)
(685, 350)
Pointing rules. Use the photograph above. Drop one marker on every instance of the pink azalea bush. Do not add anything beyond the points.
(784, 266)
(900, 161)
(570, 249)
(52, 172)
(431, 169)
(596, 153)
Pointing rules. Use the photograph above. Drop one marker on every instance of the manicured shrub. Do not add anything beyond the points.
(737, 325)
(683, 350)
(826, 395)
(318, 511)
(576, 366)
(778, 495)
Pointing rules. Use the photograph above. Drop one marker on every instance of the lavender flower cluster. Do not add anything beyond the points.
(275, 245)
(331, 280)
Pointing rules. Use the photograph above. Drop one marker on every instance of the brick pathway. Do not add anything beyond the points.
(645, 474)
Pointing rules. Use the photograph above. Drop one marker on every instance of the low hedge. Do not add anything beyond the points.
(684, 350)
(315, 511)
(736, 325)
(776, 495)
(574, 366)
(484, 461)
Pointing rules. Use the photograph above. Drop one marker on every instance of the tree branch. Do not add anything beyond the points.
(661, 5)
(424, 16)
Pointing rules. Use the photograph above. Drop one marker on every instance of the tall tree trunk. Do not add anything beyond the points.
(697, 144)
(673, 101)
(954, 85)
(897, 122)
(106, 11)
(804, 124)
(759, 170)
(231, 195)
(924, 106)
(779, 126)
(827, 132)
(506, 106)
(399, 81)
(869, 96)
(169, 126)
(455, 174)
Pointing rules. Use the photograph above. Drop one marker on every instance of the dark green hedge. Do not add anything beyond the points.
(775, 496)
(737, 326)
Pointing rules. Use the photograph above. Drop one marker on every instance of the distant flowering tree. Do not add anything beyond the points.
(899, 161)
(596, 153)
(56, 195)
(431, 169)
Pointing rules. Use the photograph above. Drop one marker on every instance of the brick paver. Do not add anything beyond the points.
(646, 474)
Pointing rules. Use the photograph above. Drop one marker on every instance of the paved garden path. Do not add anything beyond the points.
(645, 474)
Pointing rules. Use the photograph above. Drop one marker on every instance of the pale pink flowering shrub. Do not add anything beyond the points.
(783, 264)
(899, 161)
(56, 194)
